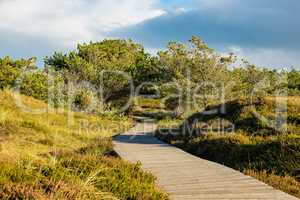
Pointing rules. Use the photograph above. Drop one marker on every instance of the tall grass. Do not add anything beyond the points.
(46, 156)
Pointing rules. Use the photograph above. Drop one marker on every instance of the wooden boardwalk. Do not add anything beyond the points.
(185, 176)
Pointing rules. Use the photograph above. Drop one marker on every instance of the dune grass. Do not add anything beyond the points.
(254, 148)
(53, 156)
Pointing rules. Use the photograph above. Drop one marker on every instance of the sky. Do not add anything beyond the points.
(265, 32)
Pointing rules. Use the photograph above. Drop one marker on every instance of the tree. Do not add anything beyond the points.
(196, 67)
(11, 70)
(293, 82)
(208, 69)
(108, 66)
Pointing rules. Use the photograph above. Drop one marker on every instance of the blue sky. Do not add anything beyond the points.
(266, 32)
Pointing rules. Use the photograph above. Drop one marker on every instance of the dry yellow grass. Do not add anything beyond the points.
(26, 134)
(285, 183)
(54, 156)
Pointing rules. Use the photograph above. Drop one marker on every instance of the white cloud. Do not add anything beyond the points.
(72, 21)
(40, 27)
(266, 57)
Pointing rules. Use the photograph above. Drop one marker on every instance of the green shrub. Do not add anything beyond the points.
(10, 71)
(172, 103)
(83, 100)
(35, 84)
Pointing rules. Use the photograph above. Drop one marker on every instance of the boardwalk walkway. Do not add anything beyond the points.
(185, 176)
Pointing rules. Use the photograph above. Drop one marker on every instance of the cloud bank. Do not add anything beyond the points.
(39, 23)
(264, 31)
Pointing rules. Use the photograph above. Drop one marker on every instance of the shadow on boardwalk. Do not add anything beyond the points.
(139, 139)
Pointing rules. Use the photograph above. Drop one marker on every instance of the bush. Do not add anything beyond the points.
(172, 103)
(83, 100)
(35, 84)
(9, 71)
(24, 76)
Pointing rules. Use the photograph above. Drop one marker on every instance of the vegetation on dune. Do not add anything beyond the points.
(274, 161)
(44, 157)
(284, 183)
(256, 148)
(105, 71)
(61, 154)
(110, 65)
(255, 117)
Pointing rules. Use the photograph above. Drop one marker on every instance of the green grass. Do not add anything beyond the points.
(151, 108)
(255, 148)
(170, 122)
(46, 156)
(149, 103)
